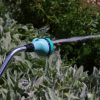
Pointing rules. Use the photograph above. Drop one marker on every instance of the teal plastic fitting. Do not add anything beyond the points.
(43, 46)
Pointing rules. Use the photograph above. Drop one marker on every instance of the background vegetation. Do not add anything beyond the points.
(30, 77)
(65, 19)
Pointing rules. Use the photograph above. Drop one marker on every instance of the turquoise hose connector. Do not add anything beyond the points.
(43, 46)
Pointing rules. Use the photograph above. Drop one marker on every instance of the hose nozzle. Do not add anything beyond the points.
(43, 46)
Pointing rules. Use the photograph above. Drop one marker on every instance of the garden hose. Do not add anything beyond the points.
(44, 46)
(8, 58)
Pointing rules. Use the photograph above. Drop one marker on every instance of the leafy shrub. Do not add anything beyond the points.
(66, 18)
(12, 35)
(30, 78)
(26, 76)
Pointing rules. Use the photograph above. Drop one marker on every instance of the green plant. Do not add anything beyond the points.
(12, 35)
(66, 18)
(30, 77)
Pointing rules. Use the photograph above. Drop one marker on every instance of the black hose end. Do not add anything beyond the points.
(29, 47)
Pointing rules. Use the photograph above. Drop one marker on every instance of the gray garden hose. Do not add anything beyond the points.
(42, 45)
